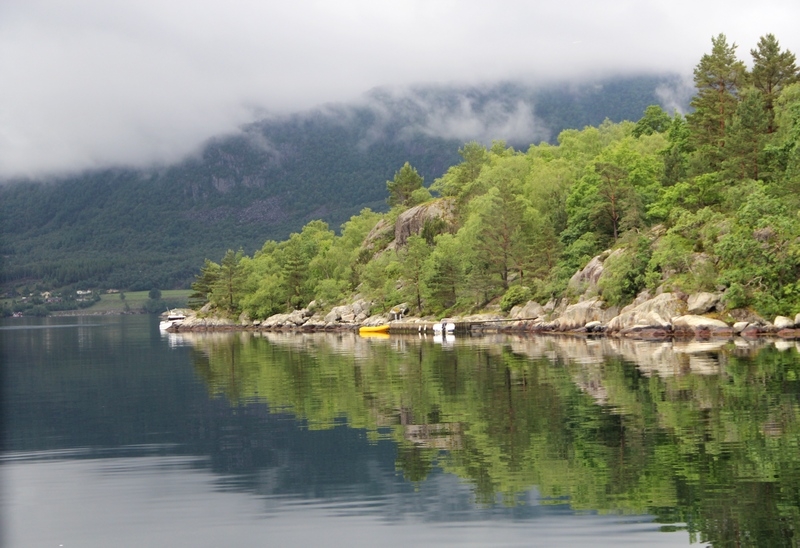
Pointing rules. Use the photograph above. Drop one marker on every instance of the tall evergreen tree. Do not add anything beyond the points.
(414, 256)
(746, 137)
(773, 70)
(718, 78)
(229, 282)
(406, 181)
(445, 273)
(676, 153)
(204, 284)
(499, 221)
(295, 272)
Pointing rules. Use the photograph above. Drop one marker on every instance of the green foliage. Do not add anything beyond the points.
(735, 296)
(722, 184)
(671, 257)
(226, 291)
(379, 280)
(515, 295)
(743, 154)
(413, 265)
(204, 284)
(624, 274)
(654, 120)
(444, 274)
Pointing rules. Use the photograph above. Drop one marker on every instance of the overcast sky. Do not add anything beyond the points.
(92, 83)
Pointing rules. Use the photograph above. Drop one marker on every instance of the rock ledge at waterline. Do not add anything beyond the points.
(668, 315)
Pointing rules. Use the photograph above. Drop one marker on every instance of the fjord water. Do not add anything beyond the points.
(115, 435)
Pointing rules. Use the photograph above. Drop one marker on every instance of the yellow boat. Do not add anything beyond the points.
(373, 329)
(369, 335)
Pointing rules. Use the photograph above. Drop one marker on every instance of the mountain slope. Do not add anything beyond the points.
(143, 228)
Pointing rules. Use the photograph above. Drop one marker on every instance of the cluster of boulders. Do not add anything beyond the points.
(664, 315)
(350, 316)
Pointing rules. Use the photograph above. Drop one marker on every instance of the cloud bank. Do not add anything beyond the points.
(92, 83)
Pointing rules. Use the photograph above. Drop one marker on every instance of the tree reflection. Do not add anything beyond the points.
(706, 436)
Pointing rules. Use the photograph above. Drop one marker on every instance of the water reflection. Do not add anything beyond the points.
(493, 440)
(698, 433)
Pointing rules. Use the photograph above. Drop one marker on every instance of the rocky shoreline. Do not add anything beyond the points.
(664, 316)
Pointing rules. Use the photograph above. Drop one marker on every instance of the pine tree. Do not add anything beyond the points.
(718, 78)
(229, 282)
(773, 70)
(746, 137)
(406, 181)
(204, 284)
(413, 261)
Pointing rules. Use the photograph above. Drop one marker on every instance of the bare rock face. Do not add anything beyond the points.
(738, 327)
(380, 233)
(693, 322)
(746, 315)
(703, 302)
(297, 317)
(377, 319)
(362, 307)
(529, 310)
(336, 313)
(655, 312)
(580, 314)
(782, 322)
(276, 320)
(585, 280)
(413, 220)
(555, 307)
(193, 321)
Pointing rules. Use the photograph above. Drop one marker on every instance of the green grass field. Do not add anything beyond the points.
(113, 302)
(133, 301)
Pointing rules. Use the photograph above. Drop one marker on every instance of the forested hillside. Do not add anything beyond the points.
(138, 229)
(704, 202)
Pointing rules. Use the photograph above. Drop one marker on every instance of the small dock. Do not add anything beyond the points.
(461, 328)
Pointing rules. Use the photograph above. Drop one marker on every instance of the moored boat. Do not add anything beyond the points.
(373, 329)
(174, 317)
(445, 326)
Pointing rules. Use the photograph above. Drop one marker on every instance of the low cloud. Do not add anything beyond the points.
(469, 120)
(676, 95)
(91, 83)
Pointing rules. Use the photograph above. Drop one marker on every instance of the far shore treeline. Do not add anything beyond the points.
(708, 201)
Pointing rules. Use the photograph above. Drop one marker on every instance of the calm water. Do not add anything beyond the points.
(118, 436)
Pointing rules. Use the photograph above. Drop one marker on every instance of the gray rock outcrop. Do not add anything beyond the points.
(693, 322)
(700, 303)
(584, 281)
(578, 315)
(195, 321)
(530, 310)
(412, 221)
(782, 322)
(656, 312)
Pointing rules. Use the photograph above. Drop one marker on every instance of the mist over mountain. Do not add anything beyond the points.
(142, 228)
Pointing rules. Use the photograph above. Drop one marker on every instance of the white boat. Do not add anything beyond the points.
(444, 326)
(174, 317)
